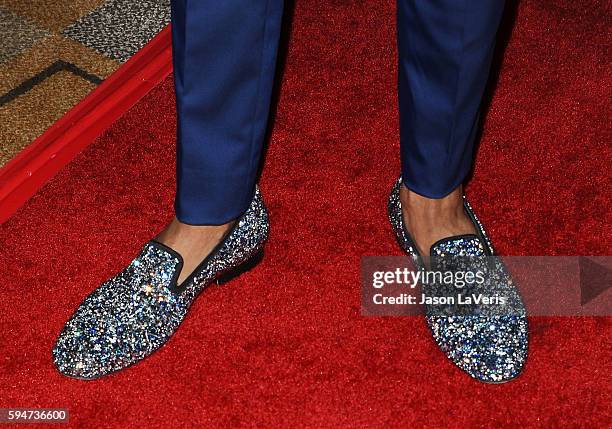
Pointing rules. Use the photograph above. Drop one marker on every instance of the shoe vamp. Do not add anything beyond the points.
(129, 315)
(496, 295)
(492, 341)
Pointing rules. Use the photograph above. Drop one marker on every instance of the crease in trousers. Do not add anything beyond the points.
(224, 55)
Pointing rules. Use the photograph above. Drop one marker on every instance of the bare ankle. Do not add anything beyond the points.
(192, 242)
(177, 231)
(429, 220)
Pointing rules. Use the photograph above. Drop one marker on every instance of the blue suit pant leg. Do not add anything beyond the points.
(224, 55)
(224, 63)
(445, 50)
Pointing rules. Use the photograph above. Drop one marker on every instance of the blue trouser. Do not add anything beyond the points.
(224, 62)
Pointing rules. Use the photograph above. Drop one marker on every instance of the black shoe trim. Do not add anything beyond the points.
(455, 237)
(176, 288)
(479, 235)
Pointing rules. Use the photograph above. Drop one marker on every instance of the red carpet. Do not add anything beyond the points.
(284, 345)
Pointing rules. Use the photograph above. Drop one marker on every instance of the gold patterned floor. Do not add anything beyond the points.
(54, 52)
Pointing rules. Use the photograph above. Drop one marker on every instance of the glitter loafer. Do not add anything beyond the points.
(488, 343)
(135, 312)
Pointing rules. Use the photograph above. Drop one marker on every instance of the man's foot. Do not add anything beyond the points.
(136, 311)
(429, 220)
(192, 242)
(488, 342)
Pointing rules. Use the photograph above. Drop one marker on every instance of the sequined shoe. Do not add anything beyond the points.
(487, 342)
(135, 312)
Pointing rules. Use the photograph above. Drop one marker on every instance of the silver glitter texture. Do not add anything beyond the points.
(489, 343)
(135, 312)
